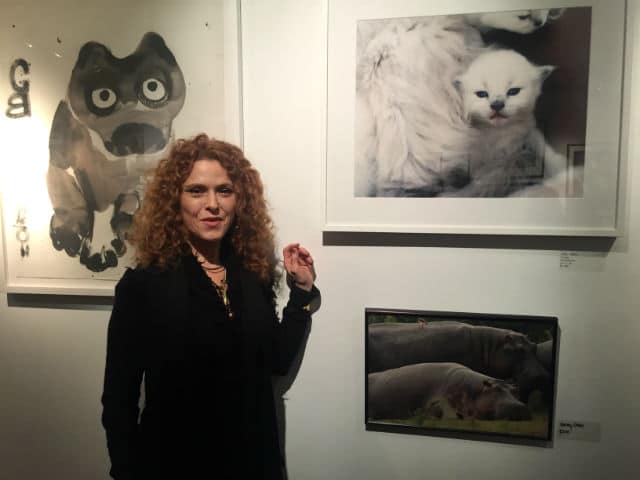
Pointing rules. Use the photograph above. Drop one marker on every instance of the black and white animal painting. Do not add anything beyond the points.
(114, 124)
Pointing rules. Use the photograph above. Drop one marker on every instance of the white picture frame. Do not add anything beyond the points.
(203, 36)
(594, 214)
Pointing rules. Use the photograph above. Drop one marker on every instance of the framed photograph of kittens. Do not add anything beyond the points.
(492, 117)
(92, 99)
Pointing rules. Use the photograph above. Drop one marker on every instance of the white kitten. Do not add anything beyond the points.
(518, 21)
(500, 88)
(499, 92)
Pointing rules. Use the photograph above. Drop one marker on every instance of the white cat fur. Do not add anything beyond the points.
(406, 103)
(518, 21)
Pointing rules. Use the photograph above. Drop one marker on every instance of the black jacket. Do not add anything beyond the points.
(208, 400)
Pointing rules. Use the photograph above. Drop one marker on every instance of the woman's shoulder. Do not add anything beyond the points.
(136, 277)
(132, 280)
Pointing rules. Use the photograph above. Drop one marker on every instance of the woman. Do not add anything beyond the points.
(196, 318)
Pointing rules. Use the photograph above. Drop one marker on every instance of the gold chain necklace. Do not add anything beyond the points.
(222, 291)
(214, 268)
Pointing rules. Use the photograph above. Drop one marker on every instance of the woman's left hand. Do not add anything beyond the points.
(299, 265)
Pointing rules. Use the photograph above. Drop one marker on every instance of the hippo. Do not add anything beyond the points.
(544, 352)
(496, 352)
(438, 388)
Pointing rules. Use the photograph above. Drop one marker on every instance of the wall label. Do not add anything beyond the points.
(568, 259)
(582, 261)
(575, 430)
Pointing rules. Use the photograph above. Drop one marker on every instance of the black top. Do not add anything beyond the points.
(208, 408)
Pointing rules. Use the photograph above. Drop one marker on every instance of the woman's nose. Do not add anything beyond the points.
(212, 200)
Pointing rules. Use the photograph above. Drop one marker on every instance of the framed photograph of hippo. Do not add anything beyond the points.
(455, 117)
(464, 375)
(93, 96)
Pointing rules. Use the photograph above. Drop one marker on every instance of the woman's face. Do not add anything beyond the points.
(207, 202)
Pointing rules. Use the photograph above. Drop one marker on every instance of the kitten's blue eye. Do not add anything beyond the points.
(103, 98)
(482, 94)
(513, 91)
(153, 93)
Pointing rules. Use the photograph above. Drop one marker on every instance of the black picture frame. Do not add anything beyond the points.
(464, 375)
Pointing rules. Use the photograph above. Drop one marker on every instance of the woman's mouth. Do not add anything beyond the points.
(212, 221)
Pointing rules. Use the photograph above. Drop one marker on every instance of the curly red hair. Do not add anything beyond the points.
(158, 233)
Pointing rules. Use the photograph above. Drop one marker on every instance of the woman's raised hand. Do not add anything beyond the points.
(299, 265)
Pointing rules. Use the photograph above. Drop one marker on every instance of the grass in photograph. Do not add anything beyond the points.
(536, 427)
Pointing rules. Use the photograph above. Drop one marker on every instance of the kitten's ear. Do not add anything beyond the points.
(545, 71)
(555, 13)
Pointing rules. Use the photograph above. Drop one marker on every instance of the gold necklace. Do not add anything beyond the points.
(222, 291)
(202, 260)
(213, 269)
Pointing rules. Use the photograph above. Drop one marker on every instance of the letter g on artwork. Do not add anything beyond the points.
(18, 105)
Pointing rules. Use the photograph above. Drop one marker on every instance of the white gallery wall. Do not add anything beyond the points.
(52, 359)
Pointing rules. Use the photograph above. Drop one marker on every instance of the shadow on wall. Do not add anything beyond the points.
(506, 242)
(280, 387)
(282, 384)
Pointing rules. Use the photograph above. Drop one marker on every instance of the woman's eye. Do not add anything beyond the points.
(225, 191)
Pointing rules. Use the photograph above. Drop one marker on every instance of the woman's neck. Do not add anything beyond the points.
(207, 251)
